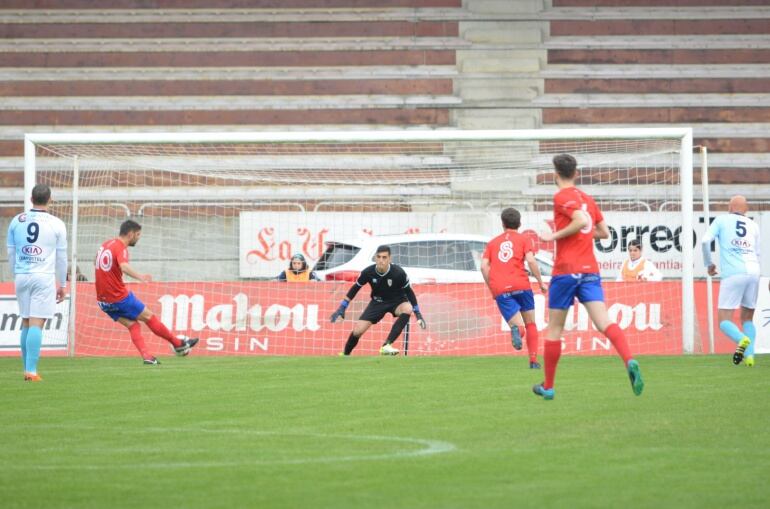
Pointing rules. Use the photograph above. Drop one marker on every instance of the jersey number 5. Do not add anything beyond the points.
(740, 228)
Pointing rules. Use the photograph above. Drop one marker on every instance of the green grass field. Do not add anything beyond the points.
(383, 432)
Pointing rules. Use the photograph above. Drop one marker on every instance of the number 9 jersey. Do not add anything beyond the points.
(35, 236)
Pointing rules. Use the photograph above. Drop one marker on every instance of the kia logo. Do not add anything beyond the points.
(32, 250)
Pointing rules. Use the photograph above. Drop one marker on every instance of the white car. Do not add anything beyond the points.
(426, 257)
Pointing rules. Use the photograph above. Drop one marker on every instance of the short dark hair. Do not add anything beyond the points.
(511, 218)
(41, 194)
(129, 226)
(565, 166)
(635, 243)
(383, 249)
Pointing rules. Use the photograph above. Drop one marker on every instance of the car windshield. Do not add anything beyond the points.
(439, 254)
(335, 255)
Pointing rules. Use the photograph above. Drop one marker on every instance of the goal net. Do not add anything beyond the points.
(223, 214)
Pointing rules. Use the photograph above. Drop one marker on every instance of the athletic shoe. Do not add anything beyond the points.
(516, 337)
(742, 346)
(186, 346)
(388, 350)
(151, 361)
(542, 391)
(534, 365)
(32, 377)
(343, 354)
(637, 384)
(749, 361)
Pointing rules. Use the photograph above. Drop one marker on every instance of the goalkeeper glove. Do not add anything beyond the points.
(340, 313)
(420, 319)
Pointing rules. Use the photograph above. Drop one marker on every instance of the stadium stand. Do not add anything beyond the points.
(329, 64)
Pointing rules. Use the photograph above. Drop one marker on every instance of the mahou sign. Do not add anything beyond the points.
(271, 318)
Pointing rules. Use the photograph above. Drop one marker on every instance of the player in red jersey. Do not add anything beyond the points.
(122, 306)
(502, 266)
(578, 222)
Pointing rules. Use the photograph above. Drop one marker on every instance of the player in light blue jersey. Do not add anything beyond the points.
(738, 240)
(37, 255)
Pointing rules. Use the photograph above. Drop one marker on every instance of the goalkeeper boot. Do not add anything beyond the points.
(749, 361)
(635, 376)
(542, 391)
(388, 349)
(186, 346)
(32, 377)
(516, 337)
(743, 344)
(534, 365)
(151, 361)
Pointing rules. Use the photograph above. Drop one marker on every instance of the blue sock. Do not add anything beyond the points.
(24, 345)
(731, 330)
(751, 332)
(34, 339)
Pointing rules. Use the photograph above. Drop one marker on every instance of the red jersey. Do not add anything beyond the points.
(575, 254)
(506, 254)
(109, 276)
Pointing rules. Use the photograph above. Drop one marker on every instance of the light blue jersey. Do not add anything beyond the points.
(738, 240)
(38, 242)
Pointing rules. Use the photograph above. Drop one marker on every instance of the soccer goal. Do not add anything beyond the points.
(223, 214)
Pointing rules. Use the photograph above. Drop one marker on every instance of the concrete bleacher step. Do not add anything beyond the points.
(671, 11)
(230, 58)
(659, 56)
(407, 116)
(658, 86)
(711, 130)
(661, 26)
(734, 41)
(299, 73)
(229, 87)
(225, 103)
(223, 4)
(652, 100)
(629, 71)
(655, 3)
(239, 15)
(205, 44)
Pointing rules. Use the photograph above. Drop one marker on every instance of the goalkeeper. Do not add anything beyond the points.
(391, 293)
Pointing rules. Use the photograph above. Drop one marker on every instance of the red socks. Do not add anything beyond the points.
(618, 340)
(136, 338)
(160, 330)
(551, 354)
(531, 338)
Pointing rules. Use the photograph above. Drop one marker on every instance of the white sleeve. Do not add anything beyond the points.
(654, 273)
(12, 259)
(705, 243)
(712, 232)
(61, 256)
(11, 243)
(757, 243)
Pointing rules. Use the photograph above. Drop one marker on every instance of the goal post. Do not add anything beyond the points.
(205, 198)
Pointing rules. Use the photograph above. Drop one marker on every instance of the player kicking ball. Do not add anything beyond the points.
(121, 305)
(502, 266)
(578, 222)
(391, 293)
